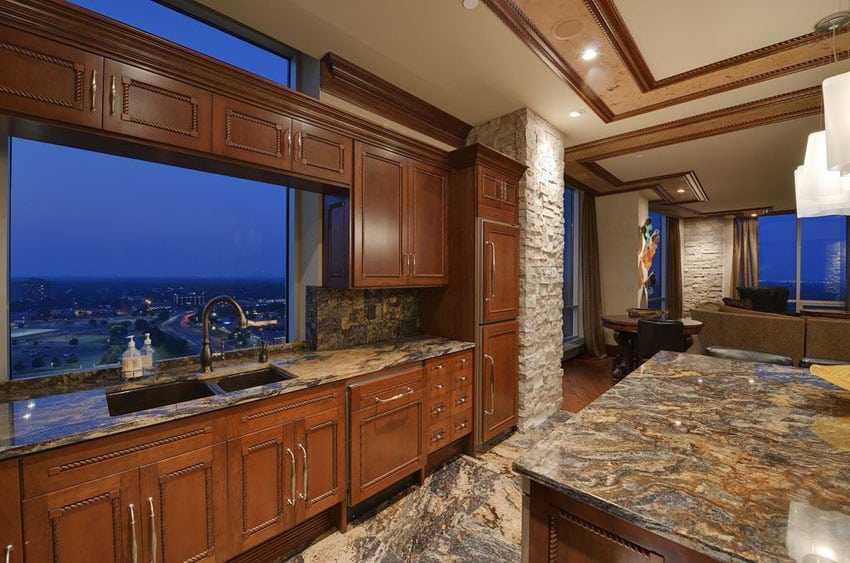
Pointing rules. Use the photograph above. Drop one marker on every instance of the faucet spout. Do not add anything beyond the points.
(206, 353)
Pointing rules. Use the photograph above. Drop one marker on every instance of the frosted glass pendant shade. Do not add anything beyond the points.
(836, 110)
(820, 191)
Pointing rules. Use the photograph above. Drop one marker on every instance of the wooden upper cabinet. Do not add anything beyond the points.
(499, 378)
(151, 106)
(378, 205)
(500, 272)
(428, 220)
(252, 134)
(321, 153)
(45, 79)
(497, 196)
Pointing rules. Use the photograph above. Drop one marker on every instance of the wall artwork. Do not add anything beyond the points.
(649, 239)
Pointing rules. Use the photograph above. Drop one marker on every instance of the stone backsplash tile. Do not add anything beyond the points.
(343, 318)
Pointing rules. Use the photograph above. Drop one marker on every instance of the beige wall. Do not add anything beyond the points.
(618, 218)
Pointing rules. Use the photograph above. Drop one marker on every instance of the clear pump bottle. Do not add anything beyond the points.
(147, 354)
(131, 360)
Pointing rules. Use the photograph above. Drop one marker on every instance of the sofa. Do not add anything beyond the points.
(747, 329)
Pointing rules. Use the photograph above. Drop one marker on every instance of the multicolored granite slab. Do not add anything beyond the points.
(722, 456)
(30, 423)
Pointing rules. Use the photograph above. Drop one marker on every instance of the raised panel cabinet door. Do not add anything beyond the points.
(336, 243)
(321, 452)
(500, 379)
(497, 196)
(262, 485)
(49, 80)
(11, 541)
(99, 521)
(251, 134)
(428, 220)
(144, 104)
(321, 153)
(379, 220)
(183, 506)
(500, 272)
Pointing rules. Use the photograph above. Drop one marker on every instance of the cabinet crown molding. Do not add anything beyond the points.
(486, 156)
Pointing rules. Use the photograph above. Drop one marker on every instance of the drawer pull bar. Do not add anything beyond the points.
(153, 531)
(306, 470)
(408, 391)
(438, 436)
(9, 549)
(291, 501)
(133, 541)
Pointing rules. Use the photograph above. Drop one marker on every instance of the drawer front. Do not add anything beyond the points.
(439, 377)
(439, 435)
(439, 409)
(461, 365)
(52, 470)
(461, 399)
(287, 408)
(388, 391)
(461, 424)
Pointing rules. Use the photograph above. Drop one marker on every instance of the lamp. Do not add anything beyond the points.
(836, 110)
(819, 190)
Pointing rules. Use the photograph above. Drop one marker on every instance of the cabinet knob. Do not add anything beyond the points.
(462, 424)
(438, 386)
(462, 400)
(438, 409)
(438, 436)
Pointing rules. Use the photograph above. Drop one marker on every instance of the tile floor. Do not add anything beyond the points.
(468, 510)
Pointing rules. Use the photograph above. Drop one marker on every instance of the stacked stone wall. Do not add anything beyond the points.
(703, 260)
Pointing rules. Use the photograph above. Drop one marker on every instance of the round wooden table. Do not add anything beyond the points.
(625, 333)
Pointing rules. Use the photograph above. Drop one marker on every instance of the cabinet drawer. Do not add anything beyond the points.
(439, 435)
(389, 390)
(439, 409)
(286, 408)
(52, 470)
(461, 424)
(461, 367)
(461, 399)
(439, 376)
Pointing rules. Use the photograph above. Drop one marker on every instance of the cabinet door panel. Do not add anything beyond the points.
(379, 218)
(260, 483)
(188, 506)
(321, 463)
(252, 134)
(156, 108)
(50, 80)
(500, 272)
(88, 522)
(428, 229)
(336, 243)
(500, 382)
(321, 153)
(10, 511)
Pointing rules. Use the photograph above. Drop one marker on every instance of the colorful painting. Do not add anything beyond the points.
(649, 239)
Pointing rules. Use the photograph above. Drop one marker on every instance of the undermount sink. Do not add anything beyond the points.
(134, 400)
(254, 378)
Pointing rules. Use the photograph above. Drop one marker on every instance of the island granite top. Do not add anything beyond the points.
(739, 461)
(43, 421)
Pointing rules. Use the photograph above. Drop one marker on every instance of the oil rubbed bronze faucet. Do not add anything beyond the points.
(206, 353)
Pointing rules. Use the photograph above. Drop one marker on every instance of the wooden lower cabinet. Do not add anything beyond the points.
(499, 378)
(11, 540)
(170, 510)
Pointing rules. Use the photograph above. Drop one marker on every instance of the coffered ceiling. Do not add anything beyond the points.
(715, 98)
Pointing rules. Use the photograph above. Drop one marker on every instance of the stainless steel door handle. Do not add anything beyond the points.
(9, 549)
(492, 293)
(134, 543)
(153, 531)
(305, 471)
(291, 500)
(492, 384)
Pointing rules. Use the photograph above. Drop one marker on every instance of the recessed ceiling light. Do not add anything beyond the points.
(754, 214)
(589, 54)
(576, 113)
(680, 191)
(470, 4)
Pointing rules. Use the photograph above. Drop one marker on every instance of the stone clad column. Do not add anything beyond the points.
(526, 137)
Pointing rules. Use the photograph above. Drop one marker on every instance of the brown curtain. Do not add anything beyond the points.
(745, 253)
(674, 269)
(591, 289)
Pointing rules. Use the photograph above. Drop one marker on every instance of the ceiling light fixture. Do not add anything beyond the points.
(589, 54)
(470, 4)
(820, 191)
(576, 113)
(680, 191)
(754, 214)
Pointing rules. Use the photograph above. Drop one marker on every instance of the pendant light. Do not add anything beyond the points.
(836, 110)
(819, 190)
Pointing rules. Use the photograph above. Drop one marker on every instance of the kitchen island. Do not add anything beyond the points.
(692, 459)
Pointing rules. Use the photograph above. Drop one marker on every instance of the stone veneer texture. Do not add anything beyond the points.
(343, 318)
(703, 261)
(525, 136)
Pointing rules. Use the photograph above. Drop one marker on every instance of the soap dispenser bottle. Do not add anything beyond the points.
(147, 354)
(131, 360)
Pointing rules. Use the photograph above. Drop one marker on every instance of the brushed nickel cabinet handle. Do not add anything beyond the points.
(93, 90)
(112, 95)
(462, 378)
(414, 264)
(153, 531)
(305, 471)
(134, 543)
(492, 384)
(462, 424)
(291, 501)
(462, 400)
(438, 386)
(298, 137)
(492, 293)
(438, 409)
(404, 393)
(438, 436)
(9, 549)
(288, 144)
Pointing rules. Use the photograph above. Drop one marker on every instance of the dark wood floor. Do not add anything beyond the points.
(584, 380)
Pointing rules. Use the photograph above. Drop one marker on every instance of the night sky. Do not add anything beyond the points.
(79, 213)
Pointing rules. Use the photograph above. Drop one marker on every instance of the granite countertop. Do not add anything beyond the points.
(42, 421)
(739, 461)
